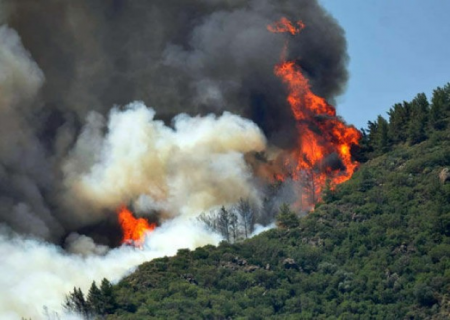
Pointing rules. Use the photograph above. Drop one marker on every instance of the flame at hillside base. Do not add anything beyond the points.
(324, 142)
(134, 229)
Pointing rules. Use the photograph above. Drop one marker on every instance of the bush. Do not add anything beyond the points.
(424, 295)
(287, 219)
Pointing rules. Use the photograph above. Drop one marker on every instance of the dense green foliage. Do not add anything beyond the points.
(409, 122)
(98, 301)
(377, 247)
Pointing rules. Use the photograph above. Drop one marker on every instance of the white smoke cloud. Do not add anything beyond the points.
(260, 229)
(182, 170)
(37, 274)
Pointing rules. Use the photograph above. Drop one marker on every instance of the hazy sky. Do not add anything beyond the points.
(397, 48)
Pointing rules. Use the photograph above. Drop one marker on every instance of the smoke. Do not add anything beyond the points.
(36, 274)
(177, 56)
(24, 170)
(83, 245)
(182, 170)
(75, 60)
(260, 229)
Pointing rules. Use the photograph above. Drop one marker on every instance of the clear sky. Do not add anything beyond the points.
(397, 48)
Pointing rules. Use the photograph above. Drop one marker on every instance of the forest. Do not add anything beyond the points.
(375, 247)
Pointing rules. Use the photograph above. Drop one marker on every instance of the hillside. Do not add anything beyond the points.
(377, 247)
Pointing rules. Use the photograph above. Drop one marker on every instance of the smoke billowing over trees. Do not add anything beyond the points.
(75, 57)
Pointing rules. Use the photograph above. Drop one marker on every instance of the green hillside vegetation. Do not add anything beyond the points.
(377, 247)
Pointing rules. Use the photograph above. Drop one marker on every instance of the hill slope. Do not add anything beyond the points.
(378, 247)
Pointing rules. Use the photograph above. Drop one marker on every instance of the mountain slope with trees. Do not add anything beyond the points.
(376, 247)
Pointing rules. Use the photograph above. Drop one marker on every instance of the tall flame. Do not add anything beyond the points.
(321, 134)
(134, 229)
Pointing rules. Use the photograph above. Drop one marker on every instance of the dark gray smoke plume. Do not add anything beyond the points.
(176, 56)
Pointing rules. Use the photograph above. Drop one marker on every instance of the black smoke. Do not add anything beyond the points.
(177, 56)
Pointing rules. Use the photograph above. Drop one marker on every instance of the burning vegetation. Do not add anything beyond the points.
(324, 142)
(286, 26)
(134, 229)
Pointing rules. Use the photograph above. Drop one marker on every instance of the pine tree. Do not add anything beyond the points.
(286, 218)
(223, 224)
(399, 118)
(75, 302)
(372, 128)
(382, 136)
(234, 226)
(378, 136)
(247, 216)
(95, 300)
(439, 103)
(108, 297)
(419, 119)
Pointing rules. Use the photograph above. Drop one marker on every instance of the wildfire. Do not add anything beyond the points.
(324, 140)
(134, 229)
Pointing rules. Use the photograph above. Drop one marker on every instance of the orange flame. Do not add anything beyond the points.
(321, 134)
(134, 229)
(284, 25)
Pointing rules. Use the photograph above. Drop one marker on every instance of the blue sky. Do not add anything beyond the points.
(397, 48)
